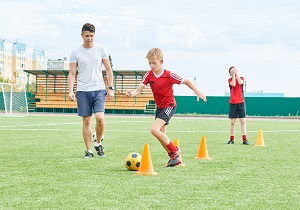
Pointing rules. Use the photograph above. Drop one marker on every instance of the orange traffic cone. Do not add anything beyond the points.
(146, 167)
(260, 139)
(202, 151)
(176, 143)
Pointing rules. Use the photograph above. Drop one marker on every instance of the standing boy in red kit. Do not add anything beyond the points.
(237, 104)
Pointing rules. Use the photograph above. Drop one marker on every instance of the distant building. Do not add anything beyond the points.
(6, 59)
(59, 64)
(16, 57)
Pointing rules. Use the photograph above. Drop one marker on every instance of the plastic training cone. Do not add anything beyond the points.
(202, 151)
(146, 167)
(260, 139)
(176, 143)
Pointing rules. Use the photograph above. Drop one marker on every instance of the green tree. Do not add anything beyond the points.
(3, 80)
(31, 88)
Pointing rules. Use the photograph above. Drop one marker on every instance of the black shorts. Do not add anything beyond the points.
(165, 114)
(237, 110)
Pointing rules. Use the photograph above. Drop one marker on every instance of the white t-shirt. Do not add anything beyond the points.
(89, 62)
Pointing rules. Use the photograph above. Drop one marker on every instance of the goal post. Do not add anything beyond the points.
(13, 99)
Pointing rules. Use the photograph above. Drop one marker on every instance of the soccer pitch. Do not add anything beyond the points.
(42, 165)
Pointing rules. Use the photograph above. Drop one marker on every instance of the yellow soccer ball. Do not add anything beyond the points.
(133, 161)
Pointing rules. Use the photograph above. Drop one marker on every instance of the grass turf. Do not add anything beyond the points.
(42, 165)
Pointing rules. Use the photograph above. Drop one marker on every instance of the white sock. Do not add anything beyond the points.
(97, 144)
(90, 151)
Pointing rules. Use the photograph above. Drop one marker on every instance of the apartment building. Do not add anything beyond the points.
(6, 59)
(59, 64)
(16, 57)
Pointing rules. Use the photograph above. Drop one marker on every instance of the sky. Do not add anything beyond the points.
(200, 39)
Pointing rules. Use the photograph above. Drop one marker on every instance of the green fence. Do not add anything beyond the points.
(219, 105)
(255, 106)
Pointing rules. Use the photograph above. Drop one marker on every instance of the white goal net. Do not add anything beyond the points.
(13, 99)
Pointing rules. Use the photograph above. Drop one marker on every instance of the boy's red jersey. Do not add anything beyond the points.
(236, 92)
(162, 87)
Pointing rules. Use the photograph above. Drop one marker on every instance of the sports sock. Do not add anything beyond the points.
(171, 147)
(97, 144)
(244, 137)
(90, 151)
(232, 138)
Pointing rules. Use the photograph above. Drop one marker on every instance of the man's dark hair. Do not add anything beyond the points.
(88, 27)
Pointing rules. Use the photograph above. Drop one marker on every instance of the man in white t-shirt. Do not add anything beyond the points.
(91, 92)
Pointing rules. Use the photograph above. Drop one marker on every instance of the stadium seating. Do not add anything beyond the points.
(53, 94)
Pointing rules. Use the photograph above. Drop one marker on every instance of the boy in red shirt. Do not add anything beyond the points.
(161, 82)
(237, 104)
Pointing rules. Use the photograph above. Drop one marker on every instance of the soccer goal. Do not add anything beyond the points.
(13, 99)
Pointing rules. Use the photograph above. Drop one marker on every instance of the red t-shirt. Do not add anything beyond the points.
(162, 87)
(236, 92)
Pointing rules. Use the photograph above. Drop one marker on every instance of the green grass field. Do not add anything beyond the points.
(42, 165)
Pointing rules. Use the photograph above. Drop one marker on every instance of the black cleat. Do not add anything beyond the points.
(88, 154)
(230, 142)
(175, 159)
(246, 142)
(100, 150)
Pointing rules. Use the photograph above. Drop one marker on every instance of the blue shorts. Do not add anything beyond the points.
(237, 110)
(87, 101)
(165, 114)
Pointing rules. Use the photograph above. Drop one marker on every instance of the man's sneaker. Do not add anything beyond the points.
(175, 159)
(88, 154)
(100, 150)
(230, 142)
(246, 142)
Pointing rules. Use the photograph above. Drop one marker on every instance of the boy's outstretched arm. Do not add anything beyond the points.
(193, 87)
(132, 93)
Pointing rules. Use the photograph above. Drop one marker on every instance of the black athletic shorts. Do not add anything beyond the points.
(237, 110)
(165, 114)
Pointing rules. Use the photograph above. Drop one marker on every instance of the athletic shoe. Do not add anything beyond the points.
(230, 142)
(175, 159)
(88, 154)
(100, 150)
(246, 142)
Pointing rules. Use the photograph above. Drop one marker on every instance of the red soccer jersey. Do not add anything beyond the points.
(162, 87)
(236, 92)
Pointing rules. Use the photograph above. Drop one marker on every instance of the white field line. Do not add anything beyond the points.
(145, 131)
(33, 125)
(33, 128)
(71, 123)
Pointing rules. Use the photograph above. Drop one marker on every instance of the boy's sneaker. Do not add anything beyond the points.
(175, 159)
(88, 154)
(246, 142)
(230, 142)
(100, 150)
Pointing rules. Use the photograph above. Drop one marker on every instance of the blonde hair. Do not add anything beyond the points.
(156, 53)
